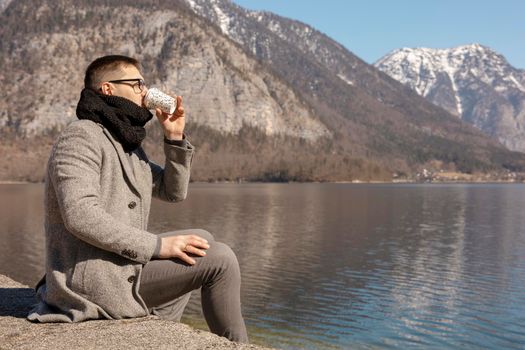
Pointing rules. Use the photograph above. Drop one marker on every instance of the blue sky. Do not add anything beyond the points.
(372, 28)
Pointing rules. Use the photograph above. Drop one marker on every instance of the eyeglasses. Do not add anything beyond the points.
(138, 86)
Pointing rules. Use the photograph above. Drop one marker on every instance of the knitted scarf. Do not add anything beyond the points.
(123, 118)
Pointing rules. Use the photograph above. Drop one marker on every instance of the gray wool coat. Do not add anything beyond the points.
(97, 200)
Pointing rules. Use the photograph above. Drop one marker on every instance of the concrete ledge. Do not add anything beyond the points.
(141, 333)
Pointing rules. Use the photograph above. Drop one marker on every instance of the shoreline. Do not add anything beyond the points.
(353, 182)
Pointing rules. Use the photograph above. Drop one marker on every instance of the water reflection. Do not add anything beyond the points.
(339, 265)
(22, 232)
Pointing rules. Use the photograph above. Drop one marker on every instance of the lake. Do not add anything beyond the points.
(338, 266)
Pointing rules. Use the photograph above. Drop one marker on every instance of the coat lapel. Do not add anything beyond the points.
(124, 162)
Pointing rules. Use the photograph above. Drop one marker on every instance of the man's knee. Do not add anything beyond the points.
(224, 258)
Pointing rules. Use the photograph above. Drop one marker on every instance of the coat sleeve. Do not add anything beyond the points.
(171, 182)
(74, 170)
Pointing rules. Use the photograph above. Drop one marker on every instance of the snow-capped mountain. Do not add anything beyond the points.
(367, 108)
(472, 82)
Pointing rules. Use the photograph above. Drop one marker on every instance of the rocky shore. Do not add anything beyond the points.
(141, 333)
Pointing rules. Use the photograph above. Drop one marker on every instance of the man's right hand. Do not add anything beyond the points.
(181, 246)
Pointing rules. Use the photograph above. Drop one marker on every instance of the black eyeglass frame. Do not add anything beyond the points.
(140, 83)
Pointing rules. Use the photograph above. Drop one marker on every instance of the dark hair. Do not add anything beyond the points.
(104, 64)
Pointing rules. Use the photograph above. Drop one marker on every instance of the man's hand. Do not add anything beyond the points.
(172, 124)
(181, 246)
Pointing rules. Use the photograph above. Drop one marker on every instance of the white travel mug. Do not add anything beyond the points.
(157, 99)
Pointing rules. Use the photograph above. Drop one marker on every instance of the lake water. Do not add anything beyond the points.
(338, 266)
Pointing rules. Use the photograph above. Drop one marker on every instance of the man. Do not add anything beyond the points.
(101, 260)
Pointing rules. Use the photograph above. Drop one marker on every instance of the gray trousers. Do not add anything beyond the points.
(166, 286)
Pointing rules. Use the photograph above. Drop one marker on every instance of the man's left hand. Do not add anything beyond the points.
(172, 124)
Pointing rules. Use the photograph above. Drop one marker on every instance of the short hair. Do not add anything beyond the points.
(104, 64)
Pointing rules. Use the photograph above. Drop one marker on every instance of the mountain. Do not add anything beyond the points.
(225, 88)
(472, 82)
(46, 46)
(353, 98)
(267, 98)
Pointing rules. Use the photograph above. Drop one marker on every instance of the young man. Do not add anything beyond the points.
(101, 260)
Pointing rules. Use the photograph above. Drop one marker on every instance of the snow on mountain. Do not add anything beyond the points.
(472, 81)
(241, 24)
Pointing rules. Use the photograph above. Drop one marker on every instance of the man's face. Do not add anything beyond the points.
(124, 89)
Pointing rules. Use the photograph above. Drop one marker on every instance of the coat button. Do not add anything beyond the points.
(132, 204)
(131, 279)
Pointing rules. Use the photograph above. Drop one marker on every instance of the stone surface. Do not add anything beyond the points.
(141, 333)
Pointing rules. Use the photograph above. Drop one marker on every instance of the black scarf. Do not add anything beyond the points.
(123, 118)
